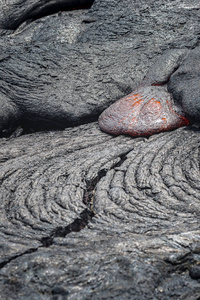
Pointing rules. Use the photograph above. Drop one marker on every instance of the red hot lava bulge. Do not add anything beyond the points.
(148, 110)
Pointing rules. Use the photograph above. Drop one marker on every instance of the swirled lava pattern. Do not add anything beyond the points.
(148, 110)
(145, 195)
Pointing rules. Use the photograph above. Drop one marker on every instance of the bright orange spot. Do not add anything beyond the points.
(156, 102)
(151, 111)
(135, 96)
(137, 103)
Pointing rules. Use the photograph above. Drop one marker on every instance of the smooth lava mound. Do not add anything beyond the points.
(146, 111)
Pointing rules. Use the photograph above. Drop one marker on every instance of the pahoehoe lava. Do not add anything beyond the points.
(14, 13)
(145, 197)
(150, 108)
(79, 57)
(85, 214)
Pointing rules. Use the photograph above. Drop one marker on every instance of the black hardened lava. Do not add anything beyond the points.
(37, 9)
(94, 208)
(85, 214)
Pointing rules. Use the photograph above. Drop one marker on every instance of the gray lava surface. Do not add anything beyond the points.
(84, 214)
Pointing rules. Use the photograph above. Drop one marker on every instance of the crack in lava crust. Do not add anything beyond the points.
(147, 110)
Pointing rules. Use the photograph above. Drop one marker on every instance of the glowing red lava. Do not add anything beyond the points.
(148, 110)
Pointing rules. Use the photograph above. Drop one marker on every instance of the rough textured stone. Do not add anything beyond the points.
(58, 86)
(87, 215)
(149, 108)
(87, 59)
(15, 12)
(138, 200)
(184, 84)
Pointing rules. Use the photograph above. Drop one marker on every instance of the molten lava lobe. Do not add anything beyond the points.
(148, 110)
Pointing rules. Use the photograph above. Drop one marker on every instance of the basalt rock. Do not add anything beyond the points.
(149, 108)
(184, 85)
(84, 214)
(65, 69)
(14, 12)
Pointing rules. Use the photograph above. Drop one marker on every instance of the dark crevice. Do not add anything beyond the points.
(123, 157)
(90, 188)
(89, 20)
(56, 8)
(85, 217)
(4, 263)
(77, 225)
(91, 185)
(34, 124)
